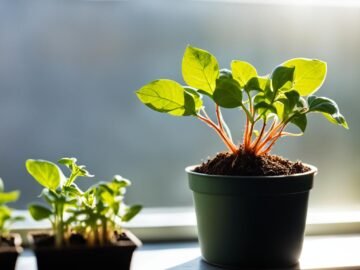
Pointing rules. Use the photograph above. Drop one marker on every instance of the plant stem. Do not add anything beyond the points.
(230, 145)
(272, 140)
(58, 224)
(268, 136)
(260, 136)
(104, 232)
(218, 116)
(246, 132)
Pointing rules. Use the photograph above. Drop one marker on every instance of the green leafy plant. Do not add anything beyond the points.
(103, 211)
(96, 214)
(6, 214)
(270, 102)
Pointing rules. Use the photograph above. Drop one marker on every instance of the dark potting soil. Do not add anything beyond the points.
(75, 239)
(247, 164)
(8, 241)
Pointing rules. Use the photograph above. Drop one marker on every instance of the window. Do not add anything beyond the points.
(68, 72)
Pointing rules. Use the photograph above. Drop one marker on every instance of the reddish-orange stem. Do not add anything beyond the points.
(259, 137)
(269, 136)
(231, 146)
(272, 142)
(246, 132)
(218, 116)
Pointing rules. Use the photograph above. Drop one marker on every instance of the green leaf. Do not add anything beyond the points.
(45, 172)
(131, 212)
(39, 212)
(76, 170)
(309, 74)
(200, 69)
(322, 104)
(328, 108)
(228, 93)
(68, 162)
(293, 97)
(73, 190)
(6, 197)
(288, 103)
(299, 120)
(282, 78)
(196, 96)
(264, 109)
(5, 212)
(280, 108)
(242, 72)
(257, 84)
(337, 119)
(167, 96)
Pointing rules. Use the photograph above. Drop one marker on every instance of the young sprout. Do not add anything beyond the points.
(59, 192)
(270, 102)
(6, 216)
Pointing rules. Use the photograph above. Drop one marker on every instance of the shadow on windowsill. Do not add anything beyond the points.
(200, 264)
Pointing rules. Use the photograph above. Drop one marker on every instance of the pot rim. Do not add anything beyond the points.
(313, 170)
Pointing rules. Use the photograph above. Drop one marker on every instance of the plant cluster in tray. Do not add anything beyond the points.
(93, 217)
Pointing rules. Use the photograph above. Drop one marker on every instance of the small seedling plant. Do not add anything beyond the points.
(7, 218)
(97, 214)
(270, 102)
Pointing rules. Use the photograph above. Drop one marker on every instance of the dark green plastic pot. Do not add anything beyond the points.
(251, 221)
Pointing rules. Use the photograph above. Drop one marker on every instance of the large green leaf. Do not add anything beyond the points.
(309, 74)
(6, 197)
(39, 212)
(168, 96)
(282, 78)
(45, 172)
(200, 69)
(242, 72)
(228, 93)
(328, 108)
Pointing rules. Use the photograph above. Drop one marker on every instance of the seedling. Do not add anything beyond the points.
(270, 102)
(6, 215)
(95, 214)
(59, 192)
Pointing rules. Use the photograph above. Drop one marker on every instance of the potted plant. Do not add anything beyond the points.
(9, 242)
(86, 225)
(251, 206)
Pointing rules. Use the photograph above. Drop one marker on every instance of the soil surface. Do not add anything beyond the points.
(75, 239)
(247, 164)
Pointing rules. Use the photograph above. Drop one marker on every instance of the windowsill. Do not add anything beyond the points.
(332, 240)
(163, 224)
(319, 252)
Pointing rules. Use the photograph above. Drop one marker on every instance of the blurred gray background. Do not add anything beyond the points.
(69, 69)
